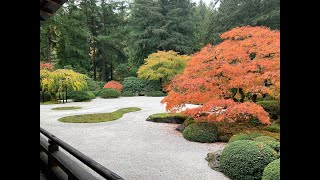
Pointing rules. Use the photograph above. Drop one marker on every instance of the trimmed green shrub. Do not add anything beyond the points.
(133, 84)
(273, 143)
(79, 96)
(246, 159)
(155, 94)
(264, 138)
(272, 171)
(95, 93)
(201, 132)
(152, 86)
(110, 93)
(273, 128)
(167, 118)
(44, 96)
(127, 94)
(186, 123)
(93, 85)
(272, 107)
(245, 136)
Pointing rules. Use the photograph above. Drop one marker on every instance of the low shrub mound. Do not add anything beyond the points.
(272, 171)
(246, 159)
(275, 128)
(127, 94)
(245, 136)
(67, 108)
(95, 93)
(186, 123)
(99, 117)
(175, 118)
(203, 132)
(273, 143)
(110, 93)
(80, 96)
(155, 94)
(272, 107)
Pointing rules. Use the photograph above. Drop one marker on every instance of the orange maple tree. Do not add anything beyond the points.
(114, 85)
(245, 65)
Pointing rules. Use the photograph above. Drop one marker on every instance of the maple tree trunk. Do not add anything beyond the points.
(254, 98)
(242, 95)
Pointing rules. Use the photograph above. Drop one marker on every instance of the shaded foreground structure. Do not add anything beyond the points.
(69, 163)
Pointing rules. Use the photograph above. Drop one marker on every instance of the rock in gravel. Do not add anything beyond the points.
(213, 159)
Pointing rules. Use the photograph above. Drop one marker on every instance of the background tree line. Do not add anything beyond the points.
(109, 39)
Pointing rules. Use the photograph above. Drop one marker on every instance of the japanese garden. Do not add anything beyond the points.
(166, 89)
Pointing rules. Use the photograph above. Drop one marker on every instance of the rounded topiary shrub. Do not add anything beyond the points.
(246, 159)
(110, 93)
(272, 107)
(273, 143)
(127, 94)
(79, 96)
(272, 171)
(201, 132)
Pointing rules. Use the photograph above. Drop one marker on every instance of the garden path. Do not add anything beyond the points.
(131, 146)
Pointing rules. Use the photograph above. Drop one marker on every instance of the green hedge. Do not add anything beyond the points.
(155, 94)
(133, 84)
(79, 96)
(127, 94)
(110, 93)
(272, 107)
(246, 159)
(272, 171)
(151, 86)
(201, 132)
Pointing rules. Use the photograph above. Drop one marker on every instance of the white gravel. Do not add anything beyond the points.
(132, 147)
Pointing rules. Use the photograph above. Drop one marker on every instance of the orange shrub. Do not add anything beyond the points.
(114, 85)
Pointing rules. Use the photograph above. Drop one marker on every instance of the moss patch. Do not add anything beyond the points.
(167, 118)
(67, 108)
(99, 117)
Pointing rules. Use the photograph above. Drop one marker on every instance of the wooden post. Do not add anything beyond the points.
(52, 162)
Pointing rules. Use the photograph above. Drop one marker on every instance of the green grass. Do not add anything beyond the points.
(99, 117)
(66, 108)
